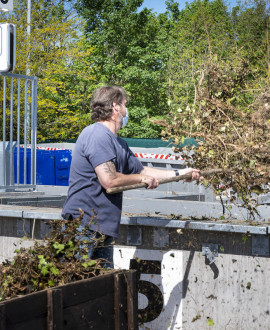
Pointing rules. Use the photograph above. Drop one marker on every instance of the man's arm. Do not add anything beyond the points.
(110, 178)
(164, 174)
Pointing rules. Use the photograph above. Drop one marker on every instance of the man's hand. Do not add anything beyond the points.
(195, 174)
(151, 182)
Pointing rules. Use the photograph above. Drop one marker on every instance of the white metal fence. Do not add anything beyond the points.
(19, 131)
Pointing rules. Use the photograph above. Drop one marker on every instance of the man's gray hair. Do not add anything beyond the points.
(102, 101)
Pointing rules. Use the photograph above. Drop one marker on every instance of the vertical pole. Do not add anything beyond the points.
(54, 309)
(33, 134)
(25, 130)
(4, 130)
(28, 34)
(35, 131)
(11, 156)
(18, 130)
(132, 300)
(28, 110)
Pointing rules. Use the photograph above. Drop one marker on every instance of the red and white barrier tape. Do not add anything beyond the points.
(137, 154)
(157, 156)
(46, 148)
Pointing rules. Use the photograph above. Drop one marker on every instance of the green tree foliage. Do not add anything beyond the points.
(202, 28)
(56, 55)
(130, 50)
(207, 30)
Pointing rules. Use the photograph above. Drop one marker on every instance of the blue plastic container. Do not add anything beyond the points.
(53, 167)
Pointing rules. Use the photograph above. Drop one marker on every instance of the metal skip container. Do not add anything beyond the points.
(197, 274)
(197, 267)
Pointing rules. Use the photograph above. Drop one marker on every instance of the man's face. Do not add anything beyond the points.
(123, 107)
(119, 112)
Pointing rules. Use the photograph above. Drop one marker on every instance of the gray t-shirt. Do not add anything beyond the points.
(96, 145)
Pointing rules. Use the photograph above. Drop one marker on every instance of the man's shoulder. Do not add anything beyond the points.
(94, 131)
(95, 137)
(96, 128)
(89, 128)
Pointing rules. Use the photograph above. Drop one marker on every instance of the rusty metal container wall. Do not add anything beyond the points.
(105, 302)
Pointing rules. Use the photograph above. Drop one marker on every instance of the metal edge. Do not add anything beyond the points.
(14, 75)
(41, 215)
(147, 221)
(11, 213)
(198, 225)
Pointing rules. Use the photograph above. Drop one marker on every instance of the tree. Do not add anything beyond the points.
(61, 63)
(129, 49)
(203, 29)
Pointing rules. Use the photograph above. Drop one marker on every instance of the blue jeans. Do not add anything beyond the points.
(98, 250)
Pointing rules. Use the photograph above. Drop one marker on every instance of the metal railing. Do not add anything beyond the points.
(19, 133)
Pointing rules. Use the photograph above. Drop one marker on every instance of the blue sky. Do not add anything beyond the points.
(159, 6)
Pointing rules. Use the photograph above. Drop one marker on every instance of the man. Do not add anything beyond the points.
(101, 160)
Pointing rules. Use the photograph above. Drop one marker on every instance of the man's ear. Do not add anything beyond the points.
(115, 106)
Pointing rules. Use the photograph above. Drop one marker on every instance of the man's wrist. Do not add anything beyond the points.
(176, 172)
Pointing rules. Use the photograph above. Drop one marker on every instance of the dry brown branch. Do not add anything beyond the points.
(228, 136)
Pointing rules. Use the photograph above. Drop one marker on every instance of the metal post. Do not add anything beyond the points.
(34, 96)
(18, 131)
(25, 130)
(33, 132)
(28, 34)
(11, 156)
(4, 130)
(28, 109)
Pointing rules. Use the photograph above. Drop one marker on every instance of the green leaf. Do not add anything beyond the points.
(210, 322)
(84, 264)
(211, 153)
(244, 238)
(91, 263)
(44, 271)
(182, 139)
(70, 244)
(54, 271)
(58, 247)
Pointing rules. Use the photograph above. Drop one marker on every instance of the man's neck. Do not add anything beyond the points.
(111, 125)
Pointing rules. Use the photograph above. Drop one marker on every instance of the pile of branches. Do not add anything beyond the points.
(229, 135)
(60, 258)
